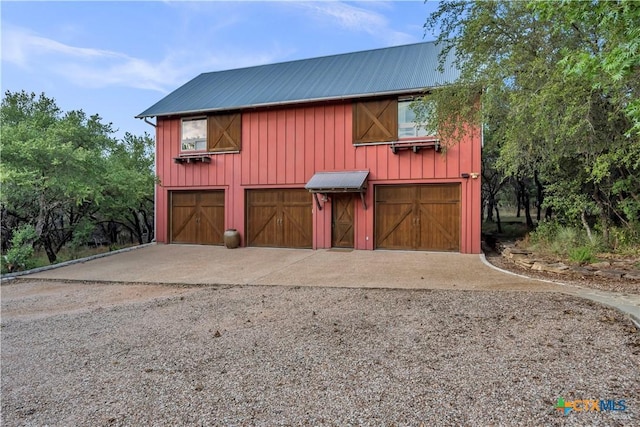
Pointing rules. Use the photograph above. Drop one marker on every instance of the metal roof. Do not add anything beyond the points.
(399, 69)
(337, 182)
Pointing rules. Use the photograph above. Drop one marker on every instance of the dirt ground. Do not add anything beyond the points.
(38, 299)
(592, 282)
(117, 354)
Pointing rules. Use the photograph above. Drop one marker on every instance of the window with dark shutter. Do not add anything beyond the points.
(375, 121)
(224, 132)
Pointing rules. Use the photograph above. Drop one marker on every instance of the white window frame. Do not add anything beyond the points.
(196, 139)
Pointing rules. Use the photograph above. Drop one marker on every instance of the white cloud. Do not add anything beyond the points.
(358, 19)
(97, 68)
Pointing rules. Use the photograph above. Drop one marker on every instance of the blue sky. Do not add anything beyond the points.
(117, 58)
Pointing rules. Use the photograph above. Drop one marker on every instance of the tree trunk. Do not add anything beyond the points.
(51, 254)
(42, 216)
(539, 195)
(148, 221)
(585, 224)
(137, 227)
(602, 213)
(491, 204)
(498, 223)
(525, 203)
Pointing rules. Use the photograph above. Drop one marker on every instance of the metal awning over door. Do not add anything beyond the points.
(338, 182)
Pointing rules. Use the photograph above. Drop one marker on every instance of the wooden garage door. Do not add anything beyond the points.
(197, 217)
(279, 218)
(422, 217)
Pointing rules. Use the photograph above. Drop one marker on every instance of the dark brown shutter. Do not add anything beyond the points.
(375, 121)
(224, 132)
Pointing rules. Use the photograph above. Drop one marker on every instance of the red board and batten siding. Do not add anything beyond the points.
(283, 148)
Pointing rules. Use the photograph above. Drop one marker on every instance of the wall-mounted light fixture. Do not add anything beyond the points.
(475, 175)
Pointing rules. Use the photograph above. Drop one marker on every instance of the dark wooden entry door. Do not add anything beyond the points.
(279, 218)
(197, 217)
(422, 217)
(342, 220)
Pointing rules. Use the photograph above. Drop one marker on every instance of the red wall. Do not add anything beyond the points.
(284, 147)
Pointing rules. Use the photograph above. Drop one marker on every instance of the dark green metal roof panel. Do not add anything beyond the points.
(389, 70)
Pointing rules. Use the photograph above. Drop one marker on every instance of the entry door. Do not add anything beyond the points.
(423, 217)
(342, 220)
(197, 217)
(279, 218)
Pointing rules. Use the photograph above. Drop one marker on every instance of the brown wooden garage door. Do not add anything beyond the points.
(279, 218)
(422, 217)
(197, 217)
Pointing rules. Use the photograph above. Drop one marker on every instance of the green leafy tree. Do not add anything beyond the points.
(59, 171)
(130, 199)
(574, 137)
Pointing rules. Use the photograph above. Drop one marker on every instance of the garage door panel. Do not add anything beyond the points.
(394, 225)
(212, 199)
(183, 224)
(444, 193)
(297, 227)
(263, 228)
(262, 198)
(391, 194)
(183, 199)
(439, 228)
(212, 229)
(293, 197)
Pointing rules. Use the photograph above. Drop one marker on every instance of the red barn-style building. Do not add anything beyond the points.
(316, 153)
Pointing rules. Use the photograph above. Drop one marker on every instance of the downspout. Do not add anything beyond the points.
(155, 186)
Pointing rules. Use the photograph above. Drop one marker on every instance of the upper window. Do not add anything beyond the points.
(386, 120)
(194, 134)
(214, 133)
(407, 126)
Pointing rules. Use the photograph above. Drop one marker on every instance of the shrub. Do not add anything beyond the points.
(18, 257)
(625, 238)
(563, 240)
(582, 255)
(545, 232)
(566, 239)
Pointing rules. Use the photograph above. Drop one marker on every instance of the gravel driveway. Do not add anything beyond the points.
(113, 354)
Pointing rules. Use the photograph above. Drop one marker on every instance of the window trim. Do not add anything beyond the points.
(210, 123)
(417, 136)
(184, 151)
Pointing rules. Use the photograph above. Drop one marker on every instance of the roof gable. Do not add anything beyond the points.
(389, 70)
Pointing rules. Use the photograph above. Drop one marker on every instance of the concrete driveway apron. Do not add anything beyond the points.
(216, 265)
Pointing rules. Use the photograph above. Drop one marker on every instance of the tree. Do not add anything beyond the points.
(575, 138)
(59, 171)
(130, 199)
(609, 58)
